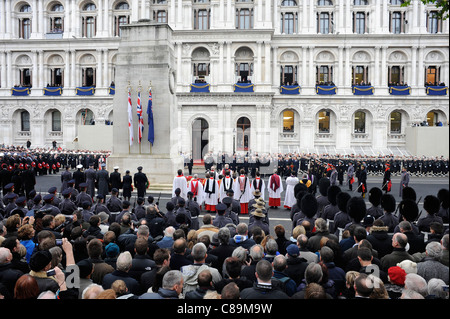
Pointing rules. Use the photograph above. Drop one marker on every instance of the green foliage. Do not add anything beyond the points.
(442, 7)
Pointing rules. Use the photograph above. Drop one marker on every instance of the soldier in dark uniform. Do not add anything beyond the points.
(99, 206)
(28, 178)
(140, 181)
(115, 178)
(114, 204)
(362, 181)
(67, 206)
(79, 177)
(90, 175)
(56, 201)
(83, 196)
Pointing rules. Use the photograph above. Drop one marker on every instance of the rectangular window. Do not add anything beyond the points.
(396, 122)
(431, 75)
(324, 122)
(324, 23)
(244, 19)
(56, 121)
(360, 122)
(202, 20)
(88, 77)
(25, 28)
(25, 121)
(433, 22)
(396, 22)
(25, 77)
(287, 23)
(360, 22)
(288, 121)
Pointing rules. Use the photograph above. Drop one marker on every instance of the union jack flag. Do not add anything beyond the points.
(140, 118)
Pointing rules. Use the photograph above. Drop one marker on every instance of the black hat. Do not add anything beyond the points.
(21, 200)
(49, 197)
(309, 205)
(40, 259)
(227, 200)
(139, 168)
(324, 183)
(431, 204)
(72, 181)
(86, 204)
(409, 209)
(85, 266)
(114, 190)
(332, 192)
(368, 221)
(341, 201)
(409, 193)
(9, 186)
(181, 201)
(100, 196)
(230, 191)
(37, 198)
(375, 194)
(388, 203)
(11, 196)
(32, 193)
(52, 189)
(83, 185)
(221, 207)
(66, 192)
(170, 206)
(356, 208)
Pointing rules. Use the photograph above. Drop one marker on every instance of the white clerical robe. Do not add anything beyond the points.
(289, 199)
(211, 191)
(226, 184)
(181, 183)
(245, 195)
(260, 184)
(275, 193)
(196, 187)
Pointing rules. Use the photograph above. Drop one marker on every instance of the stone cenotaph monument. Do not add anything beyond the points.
(146, 61)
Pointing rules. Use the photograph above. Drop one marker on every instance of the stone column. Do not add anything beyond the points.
(9, 71)
(2, 19)
(220, 78)
(413, 81)
(384, 74)
(267, 63)
(230, 67)
(34, 19)
(3, 69)
(41, 69)
(99, 71)
(376, 78)
(275, 69)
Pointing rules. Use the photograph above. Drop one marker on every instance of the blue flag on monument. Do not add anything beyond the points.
(151, 132)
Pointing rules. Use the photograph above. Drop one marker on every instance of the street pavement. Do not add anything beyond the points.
(423, 186)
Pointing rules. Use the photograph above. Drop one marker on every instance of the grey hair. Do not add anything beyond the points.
(445, 241)
(327, 254)
(434, 250)
(313, 273)
(224, 235)
(242, 229)
(5, 253)
(321, 224)
(240, 253)
(417, 283)
(256, 252)
(172, 278)
(279, 263)
(124, 261)
(143, 230)
(271, 246)
(411, 294)
(435, 288)
(91, 291)
(199, 251)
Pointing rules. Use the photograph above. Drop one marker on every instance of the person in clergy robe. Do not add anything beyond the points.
(195, 186)
(259, 184)
(211, 191)
(275, 188)
(242, 190)
(226, 184)
(289, 199)
(180, 182)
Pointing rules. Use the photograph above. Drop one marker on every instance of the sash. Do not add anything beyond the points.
(213, 191)
(242, 184)
(275, 182)
(257, 183)
(195, 190)
(228, 183)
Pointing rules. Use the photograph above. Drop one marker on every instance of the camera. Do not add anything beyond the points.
(51, 272)
(58, 242)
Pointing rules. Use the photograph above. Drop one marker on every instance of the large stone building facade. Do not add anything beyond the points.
(325, 76)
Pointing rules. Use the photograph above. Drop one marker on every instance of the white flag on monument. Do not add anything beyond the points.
(130, 117)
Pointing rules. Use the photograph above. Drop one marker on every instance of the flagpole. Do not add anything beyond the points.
(129, 92)
(139, 124)
(148, 90)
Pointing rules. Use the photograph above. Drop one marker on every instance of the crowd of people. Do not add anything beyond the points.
(339, 247)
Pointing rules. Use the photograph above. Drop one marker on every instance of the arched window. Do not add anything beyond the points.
(360, 122)
(396, 122)
(288, 3)
(322, 3)
(243, 134)
(25, 8)
(122, 6)
(397, 2)
(324, 121)
(58, 8)
(89, 7)
(360, 3)
(288, 121)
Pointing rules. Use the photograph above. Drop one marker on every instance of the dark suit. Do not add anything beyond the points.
(140, 182)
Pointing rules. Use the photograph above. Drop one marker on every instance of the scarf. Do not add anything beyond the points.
(257, 183)
(275, 182)
(240, 238)
(228, 183)
(207, 190)
(195, 190)
(242, 184)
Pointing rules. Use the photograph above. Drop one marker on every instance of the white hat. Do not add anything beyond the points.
(116, 167)
(79, 166)
(408, 266)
